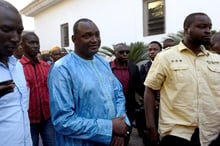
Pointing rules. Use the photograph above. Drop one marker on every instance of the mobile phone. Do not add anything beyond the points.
(7, 82)
(7, 90)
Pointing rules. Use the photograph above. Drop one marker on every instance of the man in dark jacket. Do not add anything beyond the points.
(128, 74)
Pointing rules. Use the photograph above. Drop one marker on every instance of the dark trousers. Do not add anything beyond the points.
(46, 130)
(171, 140)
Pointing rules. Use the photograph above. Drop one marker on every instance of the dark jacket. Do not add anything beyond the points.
(144, 70)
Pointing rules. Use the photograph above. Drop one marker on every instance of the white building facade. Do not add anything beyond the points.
(118, 20)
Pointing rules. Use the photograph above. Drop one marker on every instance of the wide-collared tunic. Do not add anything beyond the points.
(84, 98)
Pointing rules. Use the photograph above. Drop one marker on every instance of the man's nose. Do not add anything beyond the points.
(94, 38)
(15, 37)
(208, 30)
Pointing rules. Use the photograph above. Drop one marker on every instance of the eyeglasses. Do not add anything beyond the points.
(124, 51)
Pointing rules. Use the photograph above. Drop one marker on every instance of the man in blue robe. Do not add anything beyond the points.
(87, 103)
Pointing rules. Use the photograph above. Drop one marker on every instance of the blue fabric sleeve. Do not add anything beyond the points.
(120, 100)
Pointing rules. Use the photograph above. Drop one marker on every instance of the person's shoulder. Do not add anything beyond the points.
(44, 64)
(102, 62)
(169, 51)
(101, 59)
(64, 61)
(213, 55)
(132, 65)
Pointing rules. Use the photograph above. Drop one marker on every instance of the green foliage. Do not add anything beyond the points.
(138, 52)
(106, 51)
(176, 37)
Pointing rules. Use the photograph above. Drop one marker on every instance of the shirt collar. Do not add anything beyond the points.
(25, 60)
(114, 65)
(11, 60)
(203, 51)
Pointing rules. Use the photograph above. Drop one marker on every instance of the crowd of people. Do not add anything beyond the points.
(80, 99)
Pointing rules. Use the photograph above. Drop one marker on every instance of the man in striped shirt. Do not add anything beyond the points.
(36, 72)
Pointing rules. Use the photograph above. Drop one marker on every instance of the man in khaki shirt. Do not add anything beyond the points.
(188, 77)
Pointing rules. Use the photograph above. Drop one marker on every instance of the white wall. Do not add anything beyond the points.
(118, 20)
(177, 10)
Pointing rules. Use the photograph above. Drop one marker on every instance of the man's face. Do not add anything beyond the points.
(153, 49)
(121, 53)
(11, 28)
(87, 40)
(31, 46)
(200, 30)
(56, 54)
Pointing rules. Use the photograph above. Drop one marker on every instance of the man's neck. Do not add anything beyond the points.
(121, 63)
(32, 59)
(195, 47)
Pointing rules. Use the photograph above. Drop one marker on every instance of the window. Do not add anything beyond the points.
(153, 17)
(64, 35)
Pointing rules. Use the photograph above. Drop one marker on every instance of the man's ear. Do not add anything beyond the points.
(187, 30)
(22, 45)
(114, 52)
(73, 38)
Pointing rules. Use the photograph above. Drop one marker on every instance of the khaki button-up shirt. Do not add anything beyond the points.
(190, 92)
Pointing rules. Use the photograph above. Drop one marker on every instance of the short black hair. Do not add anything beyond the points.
(190, 18)
(168, 40)
(75, 26)
(25, 35)
(8, 5)
(156, 42)
(120, 44)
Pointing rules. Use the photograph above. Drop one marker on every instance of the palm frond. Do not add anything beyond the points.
(106, 51)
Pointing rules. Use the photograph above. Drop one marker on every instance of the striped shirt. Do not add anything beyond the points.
(36, 77)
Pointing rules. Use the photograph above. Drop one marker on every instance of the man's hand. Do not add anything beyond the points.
(120, 127)
(152, 135)
(6, 87)
(117, 141)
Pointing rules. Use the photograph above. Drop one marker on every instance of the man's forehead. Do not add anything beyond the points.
(202, 19)
(153, 45)
(10, 18)
(120, 47)
(31, 37)
(87, 25)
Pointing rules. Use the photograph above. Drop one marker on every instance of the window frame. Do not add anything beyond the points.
(64, 30)
(156, 25)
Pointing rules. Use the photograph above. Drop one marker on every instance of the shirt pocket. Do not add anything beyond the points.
(213, 79)
(179, 72)
(214, 75)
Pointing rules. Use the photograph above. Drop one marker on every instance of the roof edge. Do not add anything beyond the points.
(38, 6)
